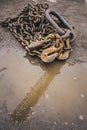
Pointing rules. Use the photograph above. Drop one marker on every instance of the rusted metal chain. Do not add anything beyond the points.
(39, 34)
(60, 18)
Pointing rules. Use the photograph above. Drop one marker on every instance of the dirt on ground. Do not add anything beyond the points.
(16, 74)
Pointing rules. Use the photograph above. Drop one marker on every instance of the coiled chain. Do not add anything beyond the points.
(40, 33)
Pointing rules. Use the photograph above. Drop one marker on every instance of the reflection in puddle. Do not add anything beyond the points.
(24, 83)
(30, 100)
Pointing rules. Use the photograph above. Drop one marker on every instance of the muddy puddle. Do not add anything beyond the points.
(52, 92)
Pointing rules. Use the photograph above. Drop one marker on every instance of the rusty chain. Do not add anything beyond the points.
(40, 34)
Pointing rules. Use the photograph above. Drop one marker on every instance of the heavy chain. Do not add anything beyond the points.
(40, 34)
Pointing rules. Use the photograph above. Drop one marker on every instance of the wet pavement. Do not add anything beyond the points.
(37, 96)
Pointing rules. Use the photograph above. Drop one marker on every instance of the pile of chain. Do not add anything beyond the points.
(42, 32)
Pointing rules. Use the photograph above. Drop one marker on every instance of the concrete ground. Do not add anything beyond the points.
(70, 100)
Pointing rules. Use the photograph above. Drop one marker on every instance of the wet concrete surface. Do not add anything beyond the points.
(35, 96)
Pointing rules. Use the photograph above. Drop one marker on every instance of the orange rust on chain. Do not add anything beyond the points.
(49, 54)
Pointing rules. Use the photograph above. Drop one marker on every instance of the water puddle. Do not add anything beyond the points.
(50, 91)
